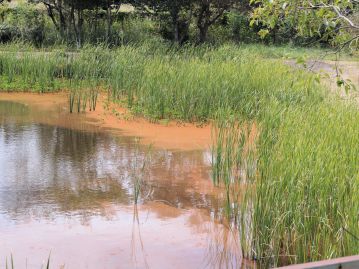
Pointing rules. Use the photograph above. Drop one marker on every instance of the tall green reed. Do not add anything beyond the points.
(233, 158)
(306, 191)
(188, 84)
(302, 203)
(139, 172)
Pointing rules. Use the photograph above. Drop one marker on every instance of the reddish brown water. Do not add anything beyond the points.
(67, 188)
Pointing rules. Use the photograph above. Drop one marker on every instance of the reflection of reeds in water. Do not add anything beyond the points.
(234, 166)
(136, 236)
(233, 158)
(223, 248)
(11, 265)
(139, 169)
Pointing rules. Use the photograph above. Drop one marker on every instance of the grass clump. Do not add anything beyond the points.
(305, 203)
(301, 202)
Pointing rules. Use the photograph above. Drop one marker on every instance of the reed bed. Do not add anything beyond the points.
(233, 159)
(286, 153)
(189, 84)
(306, 202)
(301, 203)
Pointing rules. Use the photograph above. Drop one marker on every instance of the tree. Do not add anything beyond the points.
(178, 13)
(58, 14)
(208, 12)
(111, 7)
(69, 14)
(328, 20)
(181, 12)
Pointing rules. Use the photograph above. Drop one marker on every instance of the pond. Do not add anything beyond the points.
(68, 190)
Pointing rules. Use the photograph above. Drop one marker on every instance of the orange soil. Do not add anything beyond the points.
(169, 136)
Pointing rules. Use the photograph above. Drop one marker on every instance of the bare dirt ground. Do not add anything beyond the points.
(348, 70)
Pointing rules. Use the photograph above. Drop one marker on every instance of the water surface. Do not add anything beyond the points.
(68, 189)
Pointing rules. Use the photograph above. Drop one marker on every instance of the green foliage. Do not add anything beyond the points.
(299, 184)
(325, 21)
(292, 185)
(23, 22)
(138, 31)
(74, 23)
(239, 24)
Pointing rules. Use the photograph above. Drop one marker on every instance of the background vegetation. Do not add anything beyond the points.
(111, 22)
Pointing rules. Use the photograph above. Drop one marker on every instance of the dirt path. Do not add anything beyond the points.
(349, 71)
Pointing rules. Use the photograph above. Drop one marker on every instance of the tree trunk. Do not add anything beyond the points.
(95, 26)
(60, 22)
(80, 23)
(176, 33)
(63, 24)
(174, 13)
(75, 27)
(203, 30)
(109, 23)
(50, 12)
(203, 21)
(207, 17)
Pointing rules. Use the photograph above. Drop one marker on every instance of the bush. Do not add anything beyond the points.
(22, 22)
(241, 31)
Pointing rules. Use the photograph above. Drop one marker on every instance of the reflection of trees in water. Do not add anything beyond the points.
(56, 169)
(51, 170)
(10, 113)
(59, 169)
(182, 180)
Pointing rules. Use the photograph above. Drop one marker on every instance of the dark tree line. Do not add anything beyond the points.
(181, 13)
(178, 20)
(68, 15)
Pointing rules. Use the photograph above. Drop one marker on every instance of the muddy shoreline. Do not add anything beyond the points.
(167, 135)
